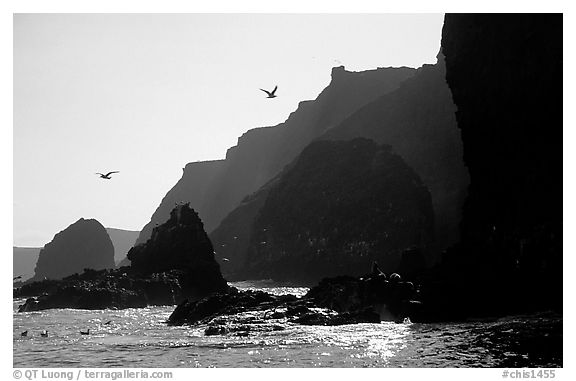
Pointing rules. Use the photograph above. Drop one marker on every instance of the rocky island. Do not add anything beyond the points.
(177, 262)
(84, 244)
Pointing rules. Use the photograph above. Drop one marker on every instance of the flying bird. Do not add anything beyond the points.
(25, 333)
(106, 176)
(18, 277)
(272, 93)
(87, 332)
(44, 333)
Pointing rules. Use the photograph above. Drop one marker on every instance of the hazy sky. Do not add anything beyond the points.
(146, 94)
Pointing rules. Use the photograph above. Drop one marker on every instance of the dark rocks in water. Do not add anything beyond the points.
(84, 244)
(230, 302)
(177, 263)
(181, 244)
(88, 298)
(243, 312)
(215, 188)
(368, 295)
(337, 207)
(505, 74)
(103, 289)
(335, 301)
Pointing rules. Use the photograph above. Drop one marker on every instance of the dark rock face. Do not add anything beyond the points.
(180, 244)
(84, 244)
(418, 121)
(505, 73)
(215, 188)
(339, 206)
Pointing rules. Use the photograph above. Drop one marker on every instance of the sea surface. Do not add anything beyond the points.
(140, 338)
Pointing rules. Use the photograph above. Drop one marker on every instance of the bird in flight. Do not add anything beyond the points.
(106, 176)
(270, 93)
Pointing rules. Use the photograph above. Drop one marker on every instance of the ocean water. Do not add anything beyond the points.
(139, 338)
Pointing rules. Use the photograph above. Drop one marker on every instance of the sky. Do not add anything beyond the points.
(144, 94)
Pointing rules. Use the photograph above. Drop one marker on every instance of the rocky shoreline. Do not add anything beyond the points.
(117, 289)
(334, 301)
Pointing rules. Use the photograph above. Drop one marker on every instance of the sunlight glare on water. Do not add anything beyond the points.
(141, 338)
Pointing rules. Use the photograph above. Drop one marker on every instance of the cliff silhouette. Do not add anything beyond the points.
(337, 208)
(215, 188)
(418, 120)
(505, 74)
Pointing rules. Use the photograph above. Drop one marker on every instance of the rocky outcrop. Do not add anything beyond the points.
(371, 298)
(180, 244)
(215, 188)
(176, 264)
(242, 312)
(103, 289)
(335, 208)
(505, 73)
(84, 244)
(418, 121)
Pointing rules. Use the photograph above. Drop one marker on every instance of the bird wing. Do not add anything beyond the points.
(109, 173)
(266, 91)
(276, 88)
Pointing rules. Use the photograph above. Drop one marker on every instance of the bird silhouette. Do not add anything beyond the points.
(271, 94)
(108, 322)
(44, 333)
(25, 333)
(106, 176)
(18, 277)
(87, 332)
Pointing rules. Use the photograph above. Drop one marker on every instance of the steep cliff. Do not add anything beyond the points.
(418, 121)
(84, 244)
(123, 240)
(180, 244)
(338, 207)
(505, 73)
(195, 186)
(262, 152)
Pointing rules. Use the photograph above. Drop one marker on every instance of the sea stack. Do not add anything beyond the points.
(84, 244)
(181, 244)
